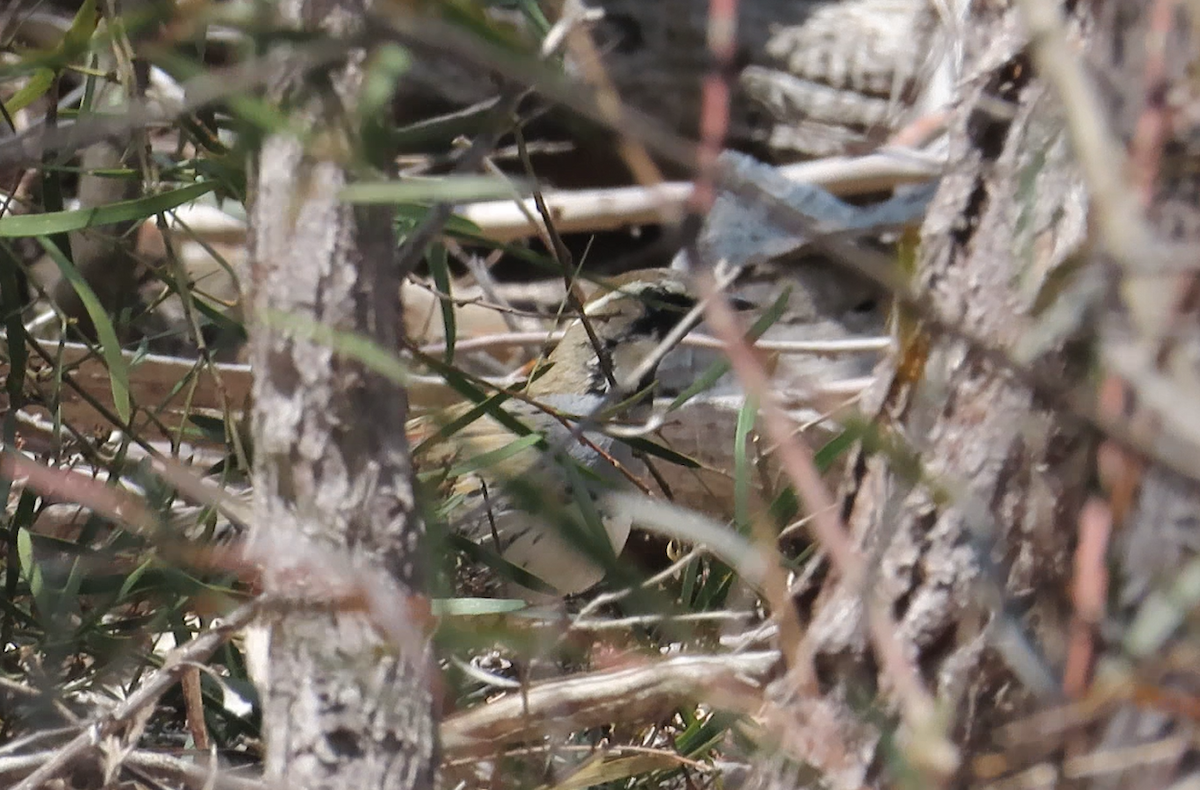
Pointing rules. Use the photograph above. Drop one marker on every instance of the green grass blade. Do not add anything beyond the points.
(493, 457)
(110, 347)
(835, 448)
(741, 463)
(447, 189)
(439, 267)
(33, 90)
(33, 574)
(121, 211)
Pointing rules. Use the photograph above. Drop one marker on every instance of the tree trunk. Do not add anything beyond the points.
(991, 506)
(343, 707)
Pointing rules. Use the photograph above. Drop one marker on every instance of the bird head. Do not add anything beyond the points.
(628, 318)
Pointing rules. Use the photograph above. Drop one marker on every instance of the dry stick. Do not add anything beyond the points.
(193, 704)
(631, 696)
(714, 102)
(1153, 128)
(562, 256)
(189, 773)
(641, 620)
(608, 101)
(196, 650)
(594, 210)
(796, 459)
(815, 347)
(1089, 591)
(25, 743)
(71, 486)
(588, 752)
(482, 275)
(714, 125)
(1154, 124)
(540, 227)
(604, 599)
(1090, 583)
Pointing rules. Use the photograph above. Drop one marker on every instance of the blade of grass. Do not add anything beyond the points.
(448, 189)
(492, 457)
(741, 463)
(52, 178)
(825, 457)
(33, 90)
(22, 520)
(121, 211)
(33, 574)
(110, 348)
(439, 267)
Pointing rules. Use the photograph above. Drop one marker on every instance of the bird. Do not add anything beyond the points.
(550, 440)
(512, 493)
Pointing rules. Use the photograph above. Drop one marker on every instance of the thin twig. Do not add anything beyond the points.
(605, 599)
(196, 650)
(797, 462)
(415, 244)
(608, 102)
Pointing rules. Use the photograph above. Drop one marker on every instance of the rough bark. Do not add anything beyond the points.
(343, 707)
(1001, 470)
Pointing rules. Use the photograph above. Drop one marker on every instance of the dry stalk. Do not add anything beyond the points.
(147, 694)
(641, 694)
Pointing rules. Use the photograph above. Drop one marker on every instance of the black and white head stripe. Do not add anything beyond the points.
(664, 305)
(648, 290)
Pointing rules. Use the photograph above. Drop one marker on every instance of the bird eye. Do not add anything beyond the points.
(663, 311)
